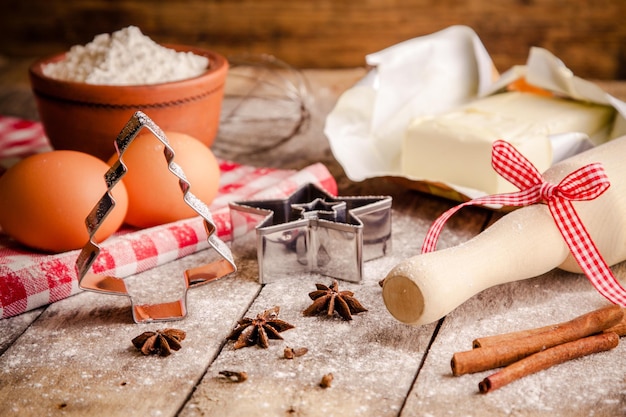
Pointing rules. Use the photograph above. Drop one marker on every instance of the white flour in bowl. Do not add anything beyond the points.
(126, 57)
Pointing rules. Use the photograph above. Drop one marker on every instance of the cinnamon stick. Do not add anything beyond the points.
(620, 329)
(504, 337)
(513, 349)
(549, 357)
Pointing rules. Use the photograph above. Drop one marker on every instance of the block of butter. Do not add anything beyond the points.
(455, 147)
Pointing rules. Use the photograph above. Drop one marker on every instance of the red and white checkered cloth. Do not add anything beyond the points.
(29, 280)
(19, 138)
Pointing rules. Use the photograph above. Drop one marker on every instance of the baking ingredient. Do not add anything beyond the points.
(522, 84)
(258, 331)
(290, 353)
(524, 243)
(154, 193)
(160, 342)
(547, 358)
(328, 300)
(126, 57)
(45, 199)
(327, 380)
(619, 328)
(455, 147)
(235, 376)
(515, 348)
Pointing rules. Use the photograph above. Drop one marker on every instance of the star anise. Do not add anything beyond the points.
(327, 380)
(235, 376)
(160, 342)
(290, 353)
(330, 300)
(259, 330)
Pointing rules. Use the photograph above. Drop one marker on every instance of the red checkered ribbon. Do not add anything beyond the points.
(586, 183)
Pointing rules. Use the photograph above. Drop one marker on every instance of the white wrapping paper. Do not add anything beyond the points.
(434, 74)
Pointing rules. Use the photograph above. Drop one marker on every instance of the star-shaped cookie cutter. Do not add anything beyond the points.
(170, 310)
(312, 231)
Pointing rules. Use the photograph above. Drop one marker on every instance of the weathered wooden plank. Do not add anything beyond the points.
(593, 385)
(78, 358)
(12, 328)
(588, 36)
(16, 98)
(374, 359)
(562, 390)
(371, 372)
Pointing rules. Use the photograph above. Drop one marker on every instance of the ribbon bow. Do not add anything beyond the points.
(585, 183)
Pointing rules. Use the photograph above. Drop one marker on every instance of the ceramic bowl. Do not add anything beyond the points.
(88, 118)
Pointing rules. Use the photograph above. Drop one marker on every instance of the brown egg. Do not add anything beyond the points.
(154, 194)
(45, 199)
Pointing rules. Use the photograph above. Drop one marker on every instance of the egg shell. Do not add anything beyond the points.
(154, 193)
(45, 199)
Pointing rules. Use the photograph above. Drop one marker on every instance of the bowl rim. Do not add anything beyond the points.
(217, 62)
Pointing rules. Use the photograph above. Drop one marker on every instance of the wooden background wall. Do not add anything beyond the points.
(589, 36)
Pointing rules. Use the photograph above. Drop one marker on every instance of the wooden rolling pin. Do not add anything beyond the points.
(523, 244)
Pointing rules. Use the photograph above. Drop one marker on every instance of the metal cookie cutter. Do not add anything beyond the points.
(172, 310)
(312, 231)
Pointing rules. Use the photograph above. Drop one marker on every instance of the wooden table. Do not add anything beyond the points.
(75, 357)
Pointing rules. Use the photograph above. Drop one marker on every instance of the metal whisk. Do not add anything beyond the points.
(266, 103)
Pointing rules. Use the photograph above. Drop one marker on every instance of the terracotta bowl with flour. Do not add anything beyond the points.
(88, 117)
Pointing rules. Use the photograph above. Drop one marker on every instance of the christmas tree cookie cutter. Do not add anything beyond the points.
(106, 284)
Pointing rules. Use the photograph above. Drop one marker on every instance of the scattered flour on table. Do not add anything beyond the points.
(125, 57)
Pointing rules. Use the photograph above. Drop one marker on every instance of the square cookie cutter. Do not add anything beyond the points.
(313, 231)
(106, 284)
